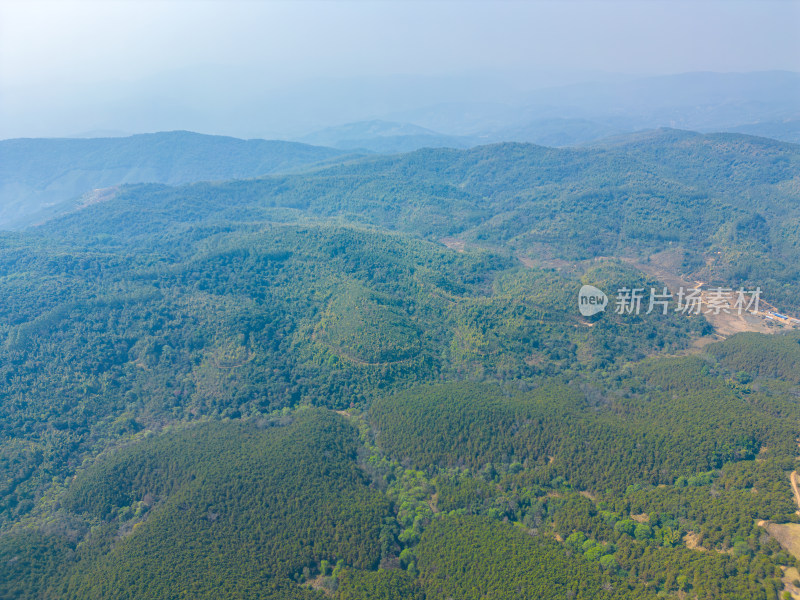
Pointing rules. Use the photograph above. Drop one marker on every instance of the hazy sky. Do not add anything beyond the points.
(110, 40)
(69, 67)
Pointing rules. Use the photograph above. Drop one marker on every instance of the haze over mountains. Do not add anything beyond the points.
(485, 106)
(37, 176)
(589, 111)
(40, 177)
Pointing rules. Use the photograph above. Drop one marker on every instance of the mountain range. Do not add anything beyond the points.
(253, 369)
(38, 175)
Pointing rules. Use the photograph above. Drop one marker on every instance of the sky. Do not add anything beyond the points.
(124, 48)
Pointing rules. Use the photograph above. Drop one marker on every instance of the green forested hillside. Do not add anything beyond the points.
(470, 558)
(750, 355)
(201, 511)
(242, 321)
(173, 360)
(36, 174)
(655, 425)
(729, 201)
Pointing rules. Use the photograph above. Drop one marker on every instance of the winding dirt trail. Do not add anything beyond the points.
(796, 488)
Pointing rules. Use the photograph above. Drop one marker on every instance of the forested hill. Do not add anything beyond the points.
(289, 387)
(728, 203)
(37, 173)
(671, 169)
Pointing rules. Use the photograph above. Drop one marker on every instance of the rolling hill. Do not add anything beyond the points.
(726, 204)
(369, 380)
(39, 174)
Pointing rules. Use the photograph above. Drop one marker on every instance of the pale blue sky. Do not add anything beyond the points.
(111, 40)
(253, 68)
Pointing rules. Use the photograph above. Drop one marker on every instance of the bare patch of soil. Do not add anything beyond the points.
(787, 535)
(454, 244)
(692, 540)
(790, 575)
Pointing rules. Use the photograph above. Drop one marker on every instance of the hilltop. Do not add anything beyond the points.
(41, 174)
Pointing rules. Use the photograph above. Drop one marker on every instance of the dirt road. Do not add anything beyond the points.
(796, 488)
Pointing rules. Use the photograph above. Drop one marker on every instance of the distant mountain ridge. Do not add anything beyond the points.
(765, 104)
(38, 173)
(727, 195)
(761, 103)
(385, 136)
(787, 130)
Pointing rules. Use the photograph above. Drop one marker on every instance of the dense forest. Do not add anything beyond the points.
(290, 387)
(728, 201)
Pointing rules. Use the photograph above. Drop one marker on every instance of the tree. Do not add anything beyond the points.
(643, 532)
